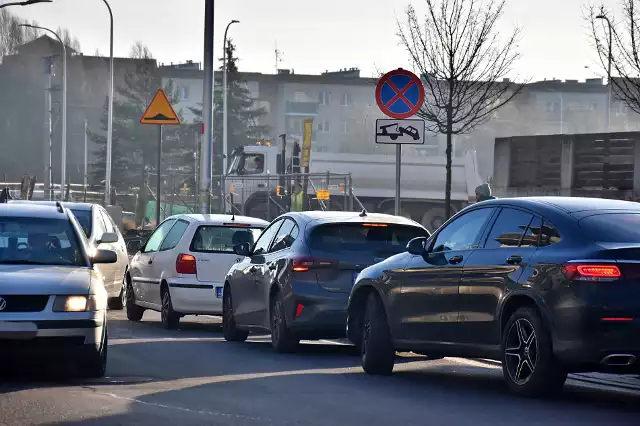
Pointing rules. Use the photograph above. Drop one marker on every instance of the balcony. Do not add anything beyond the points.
(306, 109)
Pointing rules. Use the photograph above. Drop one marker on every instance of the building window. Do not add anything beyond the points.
(346, 127)
(325, 98)
(346, 100)
(323, 126)
(183, 92)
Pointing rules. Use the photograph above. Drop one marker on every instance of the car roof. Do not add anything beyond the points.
(30, 210)
(220, 219)
(352, 217)
(567, 204)
(67, 204)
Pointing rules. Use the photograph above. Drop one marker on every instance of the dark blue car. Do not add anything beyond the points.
(548, 286)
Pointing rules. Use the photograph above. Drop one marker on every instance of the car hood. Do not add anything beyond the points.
(34, 279)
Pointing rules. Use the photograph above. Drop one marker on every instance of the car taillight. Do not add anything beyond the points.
(304, 264)
(186, 264)
(591, 272)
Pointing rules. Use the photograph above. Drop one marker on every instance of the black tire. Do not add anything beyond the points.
(229, 329)
(377, 351)
(134, 312)
(93, 364)
(118, 303)
(529, 365)
(282, 339)
(170, 318)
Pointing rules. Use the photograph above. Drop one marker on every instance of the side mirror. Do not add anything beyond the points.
(134, 246)
(104, 256)
(108, 238)
(417, 246)
(242, 249)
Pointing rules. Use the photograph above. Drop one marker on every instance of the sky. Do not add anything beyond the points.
(319, 35)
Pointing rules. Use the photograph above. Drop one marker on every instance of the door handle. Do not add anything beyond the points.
(253, 269)
(514, 260)
(455, 260)
(272, 266)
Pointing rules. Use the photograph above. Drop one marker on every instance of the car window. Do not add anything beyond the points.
(84, 217)
(222, 239)
(370, 238)
(285, 236)
(531, 236)
(39, 241)
(263, 243)
(508, 229)
(107, 221)
(153, 244)
(99, 227)
(550, 234)
(174, 235)
(463, 232)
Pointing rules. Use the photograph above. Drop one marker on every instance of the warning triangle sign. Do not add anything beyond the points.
(160, 111)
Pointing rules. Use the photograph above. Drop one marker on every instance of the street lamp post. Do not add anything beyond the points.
(225, 104)
(63, 167)
(107, 180)
(610, 60)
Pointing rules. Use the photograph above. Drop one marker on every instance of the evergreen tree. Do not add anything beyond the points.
(242, 114)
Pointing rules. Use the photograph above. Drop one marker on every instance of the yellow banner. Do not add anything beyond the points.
(323, 194)
(306, 143)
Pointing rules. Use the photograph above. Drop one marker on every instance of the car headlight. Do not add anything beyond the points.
(89, 303)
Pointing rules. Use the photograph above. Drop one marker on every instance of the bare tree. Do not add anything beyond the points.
(462, 61)
(68, 39)
(140, 51)
(12, 35)
(621, 39)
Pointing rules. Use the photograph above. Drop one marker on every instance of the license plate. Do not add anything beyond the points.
(219, 292)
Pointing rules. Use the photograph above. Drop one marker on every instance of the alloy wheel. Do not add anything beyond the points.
(227, 308)
(164, 312)
(275, 321)
(366, 332)
(521, 351)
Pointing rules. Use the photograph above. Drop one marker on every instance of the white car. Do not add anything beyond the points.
(53, 302)
(181, 268)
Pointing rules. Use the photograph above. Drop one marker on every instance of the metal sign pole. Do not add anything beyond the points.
(158, 168)
(398, 162)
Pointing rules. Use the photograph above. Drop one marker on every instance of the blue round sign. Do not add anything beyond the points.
(399, 94)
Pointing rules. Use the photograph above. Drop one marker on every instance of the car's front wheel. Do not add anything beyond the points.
(529, 365)
(377, 351)
(93, 363)
(118, 303)
(229, 328)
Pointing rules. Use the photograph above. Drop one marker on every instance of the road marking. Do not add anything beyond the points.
(188, 410)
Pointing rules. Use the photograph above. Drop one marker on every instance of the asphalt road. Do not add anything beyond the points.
(192, 376)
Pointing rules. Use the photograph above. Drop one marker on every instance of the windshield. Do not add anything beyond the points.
(36, 241)
(369, 238)
(84, 219)
(222, 239)
(613, 227)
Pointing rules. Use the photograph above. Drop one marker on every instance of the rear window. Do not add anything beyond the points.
(84, 219)
(613, 227)
(389, 238)
(222, 239)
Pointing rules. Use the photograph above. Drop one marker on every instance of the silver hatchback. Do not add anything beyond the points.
(53, 303)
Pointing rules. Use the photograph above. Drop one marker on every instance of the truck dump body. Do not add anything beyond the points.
(594, 165)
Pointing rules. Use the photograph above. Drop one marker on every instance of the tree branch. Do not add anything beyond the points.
(24, 3)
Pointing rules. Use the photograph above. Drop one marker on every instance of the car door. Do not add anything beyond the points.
(492, 270)
(141, 265)
(164, 260)
(427, 307)
(266, 273)
(107, 270)
(247, 301)
(120, 247)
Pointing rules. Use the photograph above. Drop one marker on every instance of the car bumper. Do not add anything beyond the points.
(585, 337)
(50, 335)
(323, 314)
(190, 296)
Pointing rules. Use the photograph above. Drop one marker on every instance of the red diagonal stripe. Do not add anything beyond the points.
(399, 94)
